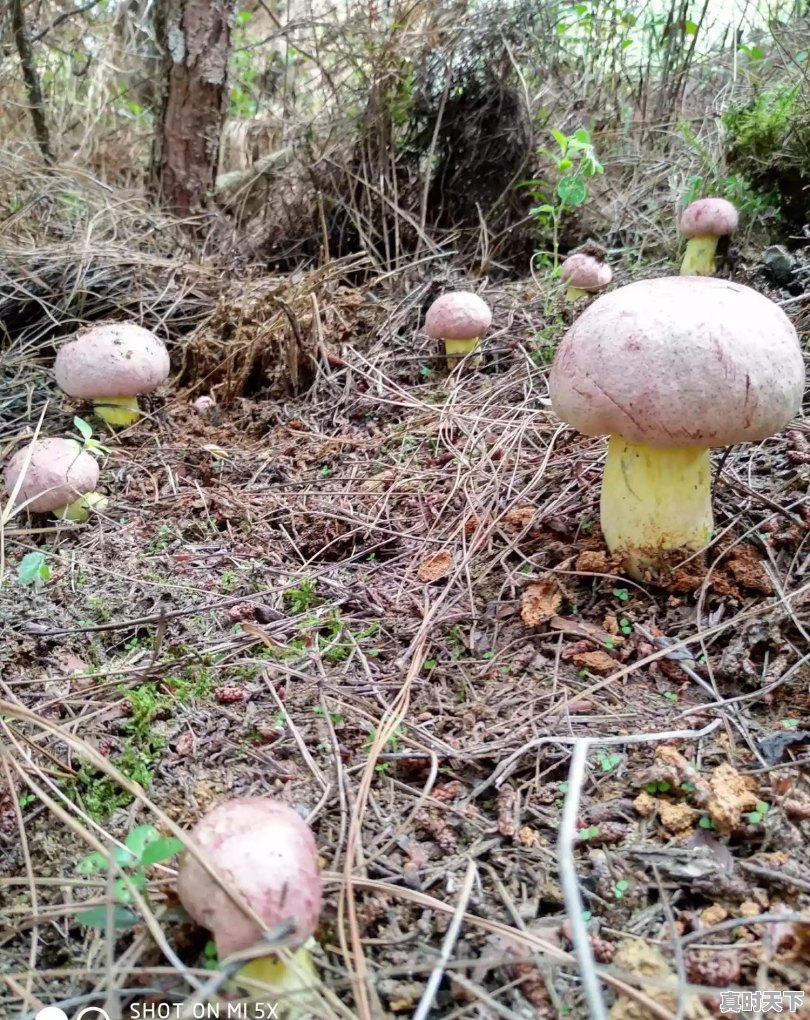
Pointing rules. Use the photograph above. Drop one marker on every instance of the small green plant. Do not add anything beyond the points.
(210, 955)
(790, 724)
(573, 163)
(620, 888)
(608, 762)
(336, 717)
(144, 847)
(302, 598)
(34, 570)
(590, 833)
(622, 594)
(662, 786)
(706, 823)
(162, 539)
(625, 626)
(86, 431)
(670, 695)
(758, 814)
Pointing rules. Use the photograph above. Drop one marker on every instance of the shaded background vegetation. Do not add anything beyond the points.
(407, 128)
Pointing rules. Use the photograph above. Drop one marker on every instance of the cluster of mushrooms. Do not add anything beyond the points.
(668, 368)
(111, 366)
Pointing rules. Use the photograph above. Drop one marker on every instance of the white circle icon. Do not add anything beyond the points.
(51, 1013)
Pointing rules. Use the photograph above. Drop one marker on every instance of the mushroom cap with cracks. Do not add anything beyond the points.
(679, 361)
(709, 217)
(585, 272)
(459, 315)
(266, 852)
(59, 471)
(116, 360)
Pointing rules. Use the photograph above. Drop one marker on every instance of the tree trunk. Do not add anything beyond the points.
(32, 87)
(196, 39)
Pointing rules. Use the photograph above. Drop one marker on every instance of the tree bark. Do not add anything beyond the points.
(196, 39)
(36, 103)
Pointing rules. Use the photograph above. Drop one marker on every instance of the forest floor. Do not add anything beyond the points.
(388, 603)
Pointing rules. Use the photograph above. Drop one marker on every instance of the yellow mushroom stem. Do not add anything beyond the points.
(289, 980)
(457, 350)
(79, 510)
(117, 410)
(698, 259)
(655, 501)
(575, 293)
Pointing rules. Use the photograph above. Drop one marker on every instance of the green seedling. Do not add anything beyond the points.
(620, 888)
(608, 762)
(622, 594)
(210, 956)
(625, 626)
(91, 445)
(662, 786)
(143, 848)
(706, 823)
(590, 833)
(34, 570)
(670, 695)
(758, 814)
(573, 163)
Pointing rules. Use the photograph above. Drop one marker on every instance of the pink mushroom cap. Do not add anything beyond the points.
(266, 852)
(58, 473)
(709, 217)
(204, 406)
(117, 360)
(585, 272)
(679, 361)
(459, 315)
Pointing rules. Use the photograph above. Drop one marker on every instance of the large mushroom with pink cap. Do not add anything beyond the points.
(703, 223)
(584, 275)
(56, 476)
(112, 365)
(459, 318)
(668, 369)
(265, 853)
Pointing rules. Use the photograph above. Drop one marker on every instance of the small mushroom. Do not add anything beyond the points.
(458, 318)
(204, 406)
(266, 853)
(703, 223)
(60, 477)
(584, 275)
(112, 365)
(669, 368)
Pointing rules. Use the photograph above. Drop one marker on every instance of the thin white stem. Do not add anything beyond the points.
(570, 886)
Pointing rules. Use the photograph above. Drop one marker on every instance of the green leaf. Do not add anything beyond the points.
(92, 863)
(243, 17)
(582, 136)
(572, 190)
(690, 28)
(762, 808)
(96, 917)
(140, 838)
(626, 43)
(82, 426)
(429, 664)
(161, 850)
(124, 858)
(560, 139)
(33, 569)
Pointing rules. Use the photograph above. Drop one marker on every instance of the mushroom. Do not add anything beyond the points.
(458, 318)
(57, 476)
(112, 365)
(204, 406)
(266, 853)
(584, 275)
(670, 368)
(703, 223)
